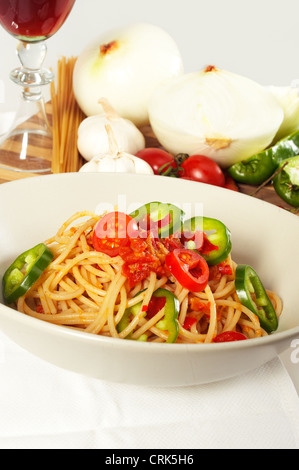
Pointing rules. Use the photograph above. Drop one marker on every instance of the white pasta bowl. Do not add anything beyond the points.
(264, 236)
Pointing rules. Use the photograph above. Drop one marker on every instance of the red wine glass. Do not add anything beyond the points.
(28, 146)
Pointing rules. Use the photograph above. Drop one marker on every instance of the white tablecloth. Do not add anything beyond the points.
(42, 406)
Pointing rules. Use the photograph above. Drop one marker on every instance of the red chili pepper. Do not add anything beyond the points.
(229, 336)
(155, 305)
(189, 322)
(189, 268)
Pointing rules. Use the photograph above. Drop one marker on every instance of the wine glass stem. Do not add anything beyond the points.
(31, 74)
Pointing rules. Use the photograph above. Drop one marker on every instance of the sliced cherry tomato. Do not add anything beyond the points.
(189, 268)
(229, 336)
(157, 158)
(202, 169)
(114, 231)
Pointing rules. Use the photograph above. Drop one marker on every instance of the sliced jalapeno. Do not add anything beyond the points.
(25, 271)
(217, 234)
(162, 219)
(168, 323)
(258, 168)
(255, 170)
(253, 295)
(286, 182)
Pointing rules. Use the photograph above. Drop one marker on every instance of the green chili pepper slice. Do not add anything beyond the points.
(286, 182)
(125, 320)
(253, 295)
(254, 171)
(217, 233)
(25, 271)
(258, 168)
(162, 219)
(168, 323)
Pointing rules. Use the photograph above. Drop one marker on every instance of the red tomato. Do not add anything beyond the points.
(230, 183)
(228, 336)
(156, 158)
(202, 169)
(189, 268)
(114, 231)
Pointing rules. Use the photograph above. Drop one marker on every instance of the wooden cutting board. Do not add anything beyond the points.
(266, 194)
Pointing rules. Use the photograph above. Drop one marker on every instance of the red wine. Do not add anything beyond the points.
(34, 20)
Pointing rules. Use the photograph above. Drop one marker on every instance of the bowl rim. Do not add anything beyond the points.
(203, 186)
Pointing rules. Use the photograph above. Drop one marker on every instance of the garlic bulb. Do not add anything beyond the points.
(122, 163)
(288, 98)
(125, 66)
(93, 138)
(215, 113)
(116, 161)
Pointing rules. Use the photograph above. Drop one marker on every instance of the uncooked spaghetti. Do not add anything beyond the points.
(67, 117)
(88, 290)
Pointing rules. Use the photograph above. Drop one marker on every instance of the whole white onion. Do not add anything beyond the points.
(125, 66)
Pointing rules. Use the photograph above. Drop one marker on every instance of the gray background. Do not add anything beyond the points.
(256, 38)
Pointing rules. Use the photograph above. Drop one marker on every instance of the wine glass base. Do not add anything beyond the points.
(27, 78)
(26, 151)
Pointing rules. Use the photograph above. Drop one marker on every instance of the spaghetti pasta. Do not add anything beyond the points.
(88, 290)
(67, 117)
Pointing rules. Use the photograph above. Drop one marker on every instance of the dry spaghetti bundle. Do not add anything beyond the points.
(88, 290)
(67, 117)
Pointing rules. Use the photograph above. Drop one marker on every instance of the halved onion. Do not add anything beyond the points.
(125, 66)
(215, 113)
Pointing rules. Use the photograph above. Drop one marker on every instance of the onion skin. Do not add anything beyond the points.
(125, 66)
(215, 113)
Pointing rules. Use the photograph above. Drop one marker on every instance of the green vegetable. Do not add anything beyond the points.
(253, 295)
(25, 271)
(258, 168)
(163, 219)
(169, 322)
(286, 182)
(217, 233)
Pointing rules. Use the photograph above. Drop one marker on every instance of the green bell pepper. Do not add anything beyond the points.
(162, 219)
(253, 295)
(258, 168)
(217, 233)
(25, 271)
(286, 182)
(169, 321)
